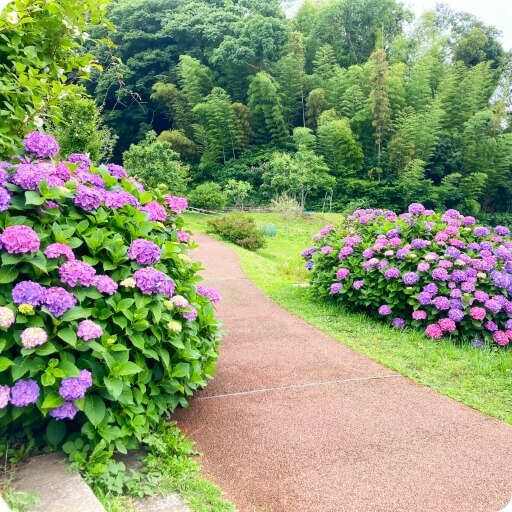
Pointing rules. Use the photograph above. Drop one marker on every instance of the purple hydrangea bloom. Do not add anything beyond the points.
(190, 315)
(392, 273)
(431, 289)
(177, 204)
(440, 274)
(117, 171)
(5, 199)
(74, 388)
(345, 252)
(491, 326)
(168, 288)
(452, 252)
(398, 323)
(335, 288)
(88, 198)
(419, 243)
(326, 249)
(24, 392)
(19, 240)
(467, 287)
(493, 305)
(456, 315)
(28, 176)
(358, 284)
(368, 253)
(119, 198)
(105, 284)
(416, 208)
(342, 273)
(210, 293)
(410, 278)
(502, 230)
(402, 253)
(58, 301)
(308, 252)
(41, 145)
(83, 161)
(75, 272)
(28, 292)
(88, 330)
(309, 265)
(458, 276)
(149, 280)
(57, 250)
(144, 252)
(481, 296)
(481, 231)
(385, 310)
(67, 411)
(500, 279)
(473, 246)
(88, 177)
(157, 212)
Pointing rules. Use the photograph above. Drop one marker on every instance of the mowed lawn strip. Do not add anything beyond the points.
(479, 378)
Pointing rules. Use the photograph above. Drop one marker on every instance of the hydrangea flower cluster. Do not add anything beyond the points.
(91, 262)
(439, 270)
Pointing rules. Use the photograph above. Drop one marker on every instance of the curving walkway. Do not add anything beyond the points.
(297, 422)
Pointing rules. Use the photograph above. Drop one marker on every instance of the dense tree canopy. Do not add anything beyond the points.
(392, 107)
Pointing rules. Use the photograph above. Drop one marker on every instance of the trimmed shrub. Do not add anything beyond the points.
(437, 271)
(103, 329)
(208, 196)
(238, 229)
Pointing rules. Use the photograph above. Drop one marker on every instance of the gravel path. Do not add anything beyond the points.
(297, 422)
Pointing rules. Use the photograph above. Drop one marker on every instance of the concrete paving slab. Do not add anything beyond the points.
(365, 440)
(57, 488)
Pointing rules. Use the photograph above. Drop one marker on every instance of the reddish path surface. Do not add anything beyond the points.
(297, 422)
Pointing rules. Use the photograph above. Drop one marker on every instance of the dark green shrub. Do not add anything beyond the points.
(238, 229)
(208, 196)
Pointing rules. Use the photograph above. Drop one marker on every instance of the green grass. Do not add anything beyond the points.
(480, 378)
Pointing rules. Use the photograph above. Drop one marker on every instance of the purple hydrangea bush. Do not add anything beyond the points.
(436, 271)
(104, 328)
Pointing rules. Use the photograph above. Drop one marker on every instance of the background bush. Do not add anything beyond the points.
(238, 229)
(439, 271)
(208, 196)
(127, 337)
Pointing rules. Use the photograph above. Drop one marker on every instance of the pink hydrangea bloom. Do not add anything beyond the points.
(434, 332)
(20, 239)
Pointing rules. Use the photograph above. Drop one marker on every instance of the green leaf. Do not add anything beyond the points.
(46, 349)
(56, 432)
(39, 262)
(124, 304)
(52, 400)
(94, 409)
(69, 369)
(68, 335)
(5, 363)
(8, 274)
(114, 386)
(33, 198)
(76, 313)
(181, 370)
(126, 368)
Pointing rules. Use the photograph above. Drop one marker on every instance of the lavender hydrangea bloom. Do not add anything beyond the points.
(41, 145)
(75, 272)
(73, 388)
(345, 253)
(190, 315)
(398, 323)
(481, 231)
(419, 243)
(88, 177)
(119, 198)
(20, 240)
(5, 199)
(500, 279)
(176, 204)
(24, 392)
(424, 298)
(144, 252)
(105, 284)
(440, 274)
(79, 158)
(88, 198)
(456, 315)
(502, 230)
(385, 310)
(309, 265)
(5, 396)
(28, 292)
(67, 411)
(491, 326)
(308, 252)
(402, 253)
(57, 250)
(58, 301)
(493, 305)
(168, 288)
(88, 330)
(431, 289)
(335, 288)
(149, 280)
(358, 284)
(452, 252)
(392, 273)
(459, 276)
(441, 303)
(410, 278)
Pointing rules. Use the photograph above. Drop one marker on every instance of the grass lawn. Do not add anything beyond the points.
(480, 378)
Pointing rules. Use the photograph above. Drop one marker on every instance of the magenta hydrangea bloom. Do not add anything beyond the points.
(149, 280)
(183, 237)
(41, 145)
(20, 240)
(335, 288)
(5, 396)
(29, 292)
(358, 284)
(77, 272)
(447, 325)
(501, 338)
(24, 392)
(419, 314)
(67, 411)
(441, 303)
(117, 171)
(105, 284)
(326, 249)
(440, 274)
(73, 388)
(119, 198)
(33, 337)
(477, 313)
(57, 250)
(342, 273)
(434, 332)
(88, 330)
(385, 310)
(176, 204)
(157, 213)
(144, 252)
(58, 301)
(345, 253)
(210, 293)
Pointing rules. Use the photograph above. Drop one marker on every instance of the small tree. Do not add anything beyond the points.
(238, 191)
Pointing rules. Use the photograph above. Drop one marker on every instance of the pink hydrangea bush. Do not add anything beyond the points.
(436, 271)
(103, 327)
